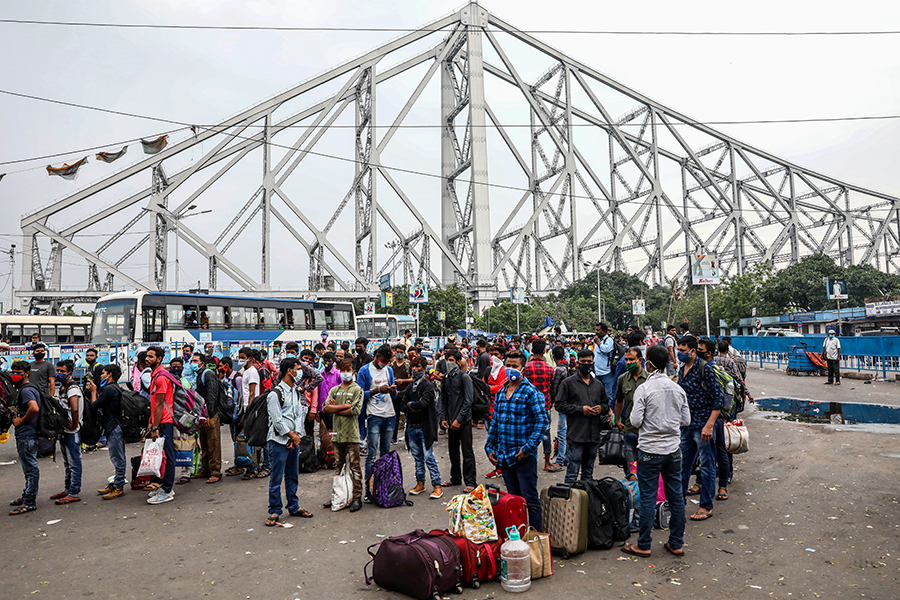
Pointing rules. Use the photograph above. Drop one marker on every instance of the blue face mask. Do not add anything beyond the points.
(193, 367)
(513, 374)
(62, 377)
(684, 357)
(176, 372)
(103, 382)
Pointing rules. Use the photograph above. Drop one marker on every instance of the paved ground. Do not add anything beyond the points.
(769, 382)
(813, 513)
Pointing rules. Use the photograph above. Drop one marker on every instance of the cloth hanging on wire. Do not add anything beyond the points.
(154, 146)
(109, 157)
(67, 171)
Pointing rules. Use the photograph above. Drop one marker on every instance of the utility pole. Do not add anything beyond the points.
(12, 278)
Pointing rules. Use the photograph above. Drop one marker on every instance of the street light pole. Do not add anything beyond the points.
(177, 219)
(600, 301)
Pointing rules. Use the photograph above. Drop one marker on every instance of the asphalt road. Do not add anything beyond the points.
(813, 513)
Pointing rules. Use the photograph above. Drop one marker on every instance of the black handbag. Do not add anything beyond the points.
(612, 448)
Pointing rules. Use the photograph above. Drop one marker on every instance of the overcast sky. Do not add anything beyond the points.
(205, 76)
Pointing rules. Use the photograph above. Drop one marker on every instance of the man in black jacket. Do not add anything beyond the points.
(421, 427)
(456, 417)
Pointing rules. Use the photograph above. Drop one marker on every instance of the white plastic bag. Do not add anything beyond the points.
(342, 489)
(152, 458)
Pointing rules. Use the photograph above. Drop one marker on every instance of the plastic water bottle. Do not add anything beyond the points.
(515, 563)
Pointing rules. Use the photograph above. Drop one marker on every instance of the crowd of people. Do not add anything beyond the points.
(662, 393)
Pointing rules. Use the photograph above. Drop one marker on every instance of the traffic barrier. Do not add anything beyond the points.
(858, 353)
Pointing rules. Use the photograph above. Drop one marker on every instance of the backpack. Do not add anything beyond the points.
(134, 416)
(52, 417)
(633, 492)
(326, 451)
(218, 401)
(726, 382)
(618, 502)
(91, 425)
(386, 481)
(266, 378)
(481, 398)
(741, 364)
(188, 407)
(309, 460)
(256, 418)
(9, 395)
(601, 526)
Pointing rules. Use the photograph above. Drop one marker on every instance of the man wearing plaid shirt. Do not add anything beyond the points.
(520, 419)
(540, 374)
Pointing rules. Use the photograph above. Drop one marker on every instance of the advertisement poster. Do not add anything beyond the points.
(106, 354)
(837, 289)
(8, 357)
(418, 293)
(517, 295)
(369, 308)
(705, 269)
(638, 307)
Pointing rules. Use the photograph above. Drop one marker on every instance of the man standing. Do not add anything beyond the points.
(604, 352)
(483, 360)
(520, 420)
(109, 404)
(360, 359)
(43, 373)
(660, 411)
(161, 422)
(72, 401)
(421, 428)
(28, 407)
(377, 381)
(831, 353)
(560, 374)
(582, 398)
(539, 374)
(286, 413)
(633, 377)
(94, 369)
(402, 377)
(208, 386)
(407, 340)
(671, 342)
(277, 354)
(705, 399)
(456, 417)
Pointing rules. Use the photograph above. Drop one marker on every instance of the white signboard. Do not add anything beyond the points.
(370, 308)
(418, 293)
(517, 295)
(638, 307)
(887, 308)
(705, 269)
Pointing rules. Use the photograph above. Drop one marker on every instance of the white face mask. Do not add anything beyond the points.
(346, 376)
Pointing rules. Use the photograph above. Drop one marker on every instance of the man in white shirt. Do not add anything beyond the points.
(377, 381)
(250, 388)
(660, 411)
(831, 353)
(73, 402)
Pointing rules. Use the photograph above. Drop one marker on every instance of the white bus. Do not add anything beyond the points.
(147, 317)
(384, 327)
(17, 330)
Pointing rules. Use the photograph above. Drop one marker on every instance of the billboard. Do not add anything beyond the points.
(638, 307)
(836, 288)
(517, 295)
(705, 269)
(414, 313)
(369, 308)
(418, 293)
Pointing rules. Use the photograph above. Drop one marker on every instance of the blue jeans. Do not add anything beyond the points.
(28, 450)
(691, 444)
(168, 479)
(582, 456)
(71, 451)
(285, 465)
(609, 384)
(561, 458)
(649, 468)
(379, 431)
(424, 458)
(521, 480)
(548, 439)
(631, 451)
(723, 459)
(361, 419)
(115, 441)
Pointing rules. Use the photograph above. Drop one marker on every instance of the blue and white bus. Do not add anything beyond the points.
(384, 328)
(148, 317)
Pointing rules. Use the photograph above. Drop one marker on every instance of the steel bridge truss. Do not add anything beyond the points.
(639, 193)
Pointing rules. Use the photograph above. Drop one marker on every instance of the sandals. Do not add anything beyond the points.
(22, 510)
(17, 502)
(272, 521)
(248, 476)
(234, 471)
(214, 479)
(302, 513)
(553, 469)
(722, 495)
(694, 490)
(262, 474)
(635, 551)
(670, 550)
(183, 479)
(59, 496)
(151, 487)
(68, 500)
(200, 475)
(701, 516)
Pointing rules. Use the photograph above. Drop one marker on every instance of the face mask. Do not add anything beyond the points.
(241, 363)
(62, 377)
(17, 377)
(513, 374)
(683, 357)
(292, 355)
(400, 357)
(39, 356)
(831, 334)
(193, 367)
(451, 367)
(417, 375)
(632, 367)
(176, 372)
(103, 382)
(209, 352)
(585, 368)
(328, 366)
(346, 376)
(90, 361)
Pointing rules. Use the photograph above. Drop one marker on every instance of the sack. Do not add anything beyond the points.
(481, 398)
(326, 449)
(612, 448)
(256, 419)
(737, 438)
(479, 561)
(218, 400)
(139, 483)
(342, 489)
(601, 530)
(471, 516)
(618, 501)
(386, 481)
(309, 462)
(188, 407)
(541, 559)
(152, 458)
(565, 518)
(184, 451)
(633, 495)
(417, 564)
(663, 515)
(52, 417)
(509, 511)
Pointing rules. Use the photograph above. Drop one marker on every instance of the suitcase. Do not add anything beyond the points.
(601, 528)
(479, 561)
(509, 510)
(417, 564)
(565, 518)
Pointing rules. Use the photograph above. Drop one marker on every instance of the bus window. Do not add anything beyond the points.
(226, 312)
(153, 324)
(64, 334)
(48, 334)
(113, 321)
(319, 316)
(270, 319)
(329, 319)
(364, 328)
(282, 320)
(381, 328)
(182, 316)
(27, 332)
(14, 334)
(289, 316)
(241, 317)
(191, 317)
(392, 327)
(301, 318)
(212, 317)
(342, 319)
(79, 334)
(257, 318)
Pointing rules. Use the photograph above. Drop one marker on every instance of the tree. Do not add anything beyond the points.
(69, 311)
(738, 296)
(799, 287)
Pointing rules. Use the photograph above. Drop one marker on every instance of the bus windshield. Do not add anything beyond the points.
(113, 322)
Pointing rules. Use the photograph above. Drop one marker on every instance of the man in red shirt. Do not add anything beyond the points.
(540, 374)
(162, 422)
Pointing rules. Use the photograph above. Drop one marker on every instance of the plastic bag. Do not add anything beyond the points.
(152, 458)
(539, 546)
(472, 517)
(342, 489)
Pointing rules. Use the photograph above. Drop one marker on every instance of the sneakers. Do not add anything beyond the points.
(108, 489)
(161, 497)
(114, 493)
(437, 493)
(493, 474)
(420, 487)
(368, 499)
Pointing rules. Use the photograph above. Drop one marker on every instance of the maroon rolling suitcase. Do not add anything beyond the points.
(417, 564)
(509, 510)
(479, 561)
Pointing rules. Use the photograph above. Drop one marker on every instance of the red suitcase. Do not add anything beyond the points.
(509, 510)
(479, 561)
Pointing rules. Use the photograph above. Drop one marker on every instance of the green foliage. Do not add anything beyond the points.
(69, 311)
